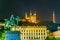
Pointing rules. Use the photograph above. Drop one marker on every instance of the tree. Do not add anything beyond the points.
(47, 38)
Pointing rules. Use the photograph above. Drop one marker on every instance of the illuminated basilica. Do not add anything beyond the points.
(31, 18)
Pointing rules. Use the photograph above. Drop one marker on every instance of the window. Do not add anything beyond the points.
(36, 33)
(29, 33)
(39, 33)
(24, 37)
(39, 30)
(36, 30)
(44, 33)
(44, 37)
(39, 37)
(24, 33)
(29, 37)
(24, 30)
(34, 37)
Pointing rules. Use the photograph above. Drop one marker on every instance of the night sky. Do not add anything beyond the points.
(44, 8)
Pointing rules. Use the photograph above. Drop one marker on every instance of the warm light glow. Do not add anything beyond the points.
(56, 34)
(54, 19)
(33, 21)
(13, 29)
(31, 18)
(39, 32)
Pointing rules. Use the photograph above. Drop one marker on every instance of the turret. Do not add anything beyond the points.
(30, 13)
(25, 15)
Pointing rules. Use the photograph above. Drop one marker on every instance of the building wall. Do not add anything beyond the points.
(32, 32)
(56, 34)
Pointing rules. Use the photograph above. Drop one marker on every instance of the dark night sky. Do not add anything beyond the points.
(44, 8)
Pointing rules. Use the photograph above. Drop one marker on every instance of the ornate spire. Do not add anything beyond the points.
(30, 13)
(35, 13)
(54, 18)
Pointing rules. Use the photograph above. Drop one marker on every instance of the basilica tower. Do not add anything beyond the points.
(34, 16)
(26, 16)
